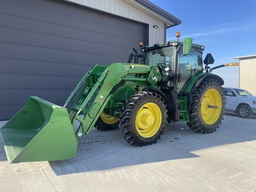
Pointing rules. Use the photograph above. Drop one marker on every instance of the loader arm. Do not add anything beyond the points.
(95, 95)
(43, 131)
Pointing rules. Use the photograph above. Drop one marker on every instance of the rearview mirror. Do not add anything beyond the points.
(209, 59)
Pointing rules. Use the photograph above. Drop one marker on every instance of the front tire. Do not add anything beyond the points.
(106, 122)
(143, 119)
(207, 107)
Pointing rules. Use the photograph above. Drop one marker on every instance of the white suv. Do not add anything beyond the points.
(240, 101)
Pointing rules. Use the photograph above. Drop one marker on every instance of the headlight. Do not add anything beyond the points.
(254, 102)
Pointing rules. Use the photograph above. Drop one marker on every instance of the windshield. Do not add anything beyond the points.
(164, 56)
(242, 92)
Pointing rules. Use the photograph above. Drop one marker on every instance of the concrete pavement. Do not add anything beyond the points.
(181, 161)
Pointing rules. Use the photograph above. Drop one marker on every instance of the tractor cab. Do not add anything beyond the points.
(177, 61)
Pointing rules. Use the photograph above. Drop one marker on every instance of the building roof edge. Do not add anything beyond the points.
(243, 57)
(159, 11)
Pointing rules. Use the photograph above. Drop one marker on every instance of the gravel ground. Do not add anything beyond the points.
(181, 161)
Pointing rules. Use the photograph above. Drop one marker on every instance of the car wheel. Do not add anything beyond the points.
(244, 111)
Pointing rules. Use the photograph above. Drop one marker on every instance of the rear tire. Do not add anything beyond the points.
(143, 119)
(207, 107)
(244, 111)
(106, 122)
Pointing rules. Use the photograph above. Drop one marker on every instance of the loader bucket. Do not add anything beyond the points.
(40, 131)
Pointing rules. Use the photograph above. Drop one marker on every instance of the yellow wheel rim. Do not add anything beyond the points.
(211, 106)
(148, 120)
(108, 119)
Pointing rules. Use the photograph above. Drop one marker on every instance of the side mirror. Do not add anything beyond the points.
(187, 43)
(208, 59)
(130, 57)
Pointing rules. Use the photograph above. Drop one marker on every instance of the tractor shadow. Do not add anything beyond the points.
(108, 150)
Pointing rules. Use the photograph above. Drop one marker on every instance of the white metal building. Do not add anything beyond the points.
(138, 10)
(247, 73)
(47, 45)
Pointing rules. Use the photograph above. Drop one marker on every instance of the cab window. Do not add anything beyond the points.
(191, 63)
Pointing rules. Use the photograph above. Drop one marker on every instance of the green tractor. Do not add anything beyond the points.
(165, 83)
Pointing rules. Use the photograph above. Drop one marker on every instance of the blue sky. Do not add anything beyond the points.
(227, 28)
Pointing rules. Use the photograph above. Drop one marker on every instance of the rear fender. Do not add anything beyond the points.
(195, 82)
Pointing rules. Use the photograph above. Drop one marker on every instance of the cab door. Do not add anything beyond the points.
(188, 65)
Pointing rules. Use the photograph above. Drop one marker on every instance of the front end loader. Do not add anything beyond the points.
(165, 83)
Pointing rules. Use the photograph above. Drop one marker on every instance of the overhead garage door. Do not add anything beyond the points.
(46, 47)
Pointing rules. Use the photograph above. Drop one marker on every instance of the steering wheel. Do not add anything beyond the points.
(164, 69)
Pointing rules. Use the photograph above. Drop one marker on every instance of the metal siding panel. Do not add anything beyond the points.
(47, 46)
(127, 10)
(248, 74)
